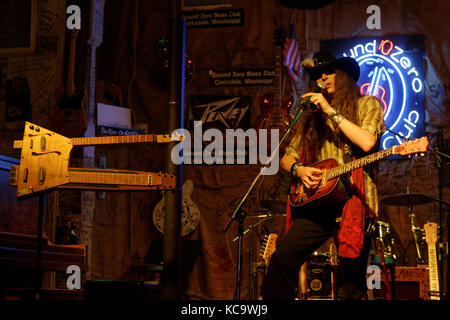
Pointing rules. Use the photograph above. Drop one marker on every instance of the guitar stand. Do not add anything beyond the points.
(414, 231)
(40, 221)
(252, 274)
(239, 217)
(439, 294)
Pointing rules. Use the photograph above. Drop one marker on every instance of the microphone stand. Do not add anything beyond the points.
(239, 214)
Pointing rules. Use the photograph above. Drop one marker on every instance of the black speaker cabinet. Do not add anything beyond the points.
(114, 290)
(319, 278)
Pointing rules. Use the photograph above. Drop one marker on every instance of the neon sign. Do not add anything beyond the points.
(392, 69)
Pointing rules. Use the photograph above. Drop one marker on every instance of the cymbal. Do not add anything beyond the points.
(274, 206)
(406, 199)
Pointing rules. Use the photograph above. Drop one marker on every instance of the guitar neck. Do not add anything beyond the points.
(70, 85)
(93, 176)
(433, 271)
(90, 141)
(345, 168)
(277, 80)
(107, 179)
(86, 141)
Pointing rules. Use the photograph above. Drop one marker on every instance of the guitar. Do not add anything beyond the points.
(190, 218)
(45, 159)
(331, 172)
(276, 112)
(433, 274)
(70, 117)
(269, 247)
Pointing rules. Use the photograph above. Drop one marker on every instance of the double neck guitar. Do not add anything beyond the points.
(44, 164)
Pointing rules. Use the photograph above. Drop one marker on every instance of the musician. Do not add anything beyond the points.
(342, 125)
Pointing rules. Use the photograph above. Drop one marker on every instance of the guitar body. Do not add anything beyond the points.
(70, 118)
(276, 112)
(274, 116)
(328, 191)
(191, 213)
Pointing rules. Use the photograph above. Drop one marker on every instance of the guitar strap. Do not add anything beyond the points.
(351, 231)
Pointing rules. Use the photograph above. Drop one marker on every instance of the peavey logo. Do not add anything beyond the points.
(229, 113)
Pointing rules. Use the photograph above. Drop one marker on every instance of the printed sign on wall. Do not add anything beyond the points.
(214, 18)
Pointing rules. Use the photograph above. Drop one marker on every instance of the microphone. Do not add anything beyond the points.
(317, 88)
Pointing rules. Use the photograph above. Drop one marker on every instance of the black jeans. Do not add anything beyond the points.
(309, 231)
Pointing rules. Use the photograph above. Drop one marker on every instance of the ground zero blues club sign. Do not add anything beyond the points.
(392, 69)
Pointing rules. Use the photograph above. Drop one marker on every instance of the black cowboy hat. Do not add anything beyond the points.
(324, 62)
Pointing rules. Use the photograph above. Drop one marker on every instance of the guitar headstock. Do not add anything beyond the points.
(269, 247)
(430, 229)
(412, 147)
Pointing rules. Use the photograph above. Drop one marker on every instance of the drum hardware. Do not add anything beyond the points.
(252, 271)
(267, 215)
(406, 199)
(274, 206)
(386, 241)
(409, 200)
(250, 228)
(258, 216)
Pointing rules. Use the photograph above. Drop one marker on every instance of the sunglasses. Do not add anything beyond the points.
(317, 74)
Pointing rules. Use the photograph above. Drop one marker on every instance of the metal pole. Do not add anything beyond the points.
(171, 274)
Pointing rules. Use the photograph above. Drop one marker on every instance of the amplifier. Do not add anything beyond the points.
(410, 283)
(319, 278)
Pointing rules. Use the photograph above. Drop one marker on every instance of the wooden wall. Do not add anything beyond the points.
(123, 225)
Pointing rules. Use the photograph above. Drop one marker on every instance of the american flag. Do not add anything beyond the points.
(291, 55)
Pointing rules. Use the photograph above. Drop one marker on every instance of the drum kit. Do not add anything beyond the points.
(319, 261)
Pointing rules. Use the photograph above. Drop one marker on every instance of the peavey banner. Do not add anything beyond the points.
(220, 116)
(219, 112)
